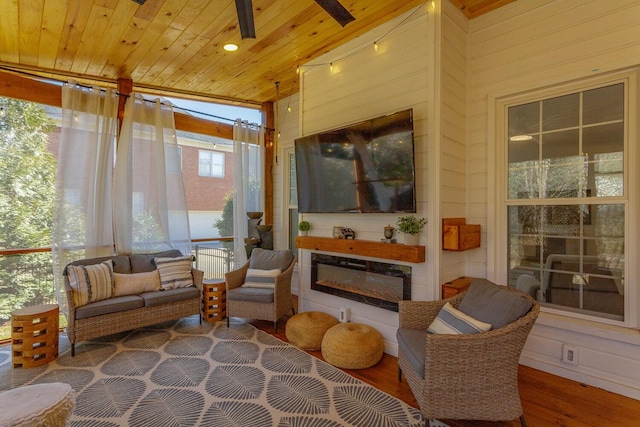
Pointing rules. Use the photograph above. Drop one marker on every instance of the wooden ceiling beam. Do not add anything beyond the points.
(28, 89)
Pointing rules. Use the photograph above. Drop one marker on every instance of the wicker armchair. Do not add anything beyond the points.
(263, 304)
(468, 377)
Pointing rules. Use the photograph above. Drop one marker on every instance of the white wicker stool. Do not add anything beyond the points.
(43, 405)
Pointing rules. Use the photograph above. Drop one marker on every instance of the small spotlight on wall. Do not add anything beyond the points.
(230, 47)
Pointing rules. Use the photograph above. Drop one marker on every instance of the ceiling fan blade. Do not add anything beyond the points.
(245, 19)
(337, 11)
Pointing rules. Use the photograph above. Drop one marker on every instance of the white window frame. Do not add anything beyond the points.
(212, 154)
(497, 247)
(288, 206)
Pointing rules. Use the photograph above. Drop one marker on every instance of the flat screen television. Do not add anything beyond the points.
(365, 167)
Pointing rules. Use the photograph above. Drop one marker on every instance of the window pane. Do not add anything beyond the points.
(573, 256)
(561, 113)
(561, 144)
(603, 139)
(564, 177)
(524, 180)
(524, 119)
(211, 163)
(293, 183)
(521, 151)
(293, 228)
(604, 104)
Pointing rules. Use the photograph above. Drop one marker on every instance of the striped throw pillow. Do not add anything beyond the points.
(175, 272)
(91, 283)
(452, 321)
(257, 278)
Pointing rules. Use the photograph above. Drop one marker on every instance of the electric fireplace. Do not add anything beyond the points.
(370, 282)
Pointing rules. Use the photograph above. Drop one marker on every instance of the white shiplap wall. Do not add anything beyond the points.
(452, 115)
(528, 45)
(366, 83)
(287, 125)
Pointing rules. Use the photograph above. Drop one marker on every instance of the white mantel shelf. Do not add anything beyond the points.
(394, 251)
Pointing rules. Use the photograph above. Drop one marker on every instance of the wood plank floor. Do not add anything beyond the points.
(548, 400)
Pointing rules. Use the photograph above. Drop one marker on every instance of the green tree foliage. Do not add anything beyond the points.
(225, 223)
(27, 190)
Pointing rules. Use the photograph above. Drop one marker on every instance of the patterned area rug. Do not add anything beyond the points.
(185, 374)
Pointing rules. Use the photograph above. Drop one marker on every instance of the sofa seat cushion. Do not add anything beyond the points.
(169, 296)
(108, 306)
(413, 344)
(490, 303)
(261, 295)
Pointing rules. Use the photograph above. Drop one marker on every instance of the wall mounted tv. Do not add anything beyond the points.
(364, 168)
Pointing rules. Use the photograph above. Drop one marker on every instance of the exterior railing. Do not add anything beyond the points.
(26, 275)
(213, 258)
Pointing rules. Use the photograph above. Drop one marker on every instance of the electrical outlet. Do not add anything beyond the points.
(570, 354)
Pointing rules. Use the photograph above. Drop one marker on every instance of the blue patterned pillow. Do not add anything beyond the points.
(452, 321)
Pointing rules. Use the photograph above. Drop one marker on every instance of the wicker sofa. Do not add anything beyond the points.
(122, 313)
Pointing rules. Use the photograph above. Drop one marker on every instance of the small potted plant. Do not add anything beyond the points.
(411, 226)
(304, 227)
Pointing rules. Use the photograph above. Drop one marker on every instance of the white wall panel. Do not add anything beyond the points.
(366, 83)
(525, 46)
(453, 130)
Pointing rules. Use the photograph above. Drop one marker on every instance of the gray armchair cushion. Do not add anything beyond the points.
(261, 295)
(494, 304)
(413, 343)
(265, 259)
(142, 263)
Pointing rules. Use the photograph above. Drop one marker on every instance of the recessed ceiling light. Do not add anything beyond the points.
(518, 138)
(230, 47)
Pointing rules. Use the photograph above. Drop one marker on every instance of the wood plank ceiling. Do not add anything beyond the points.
(176, 45)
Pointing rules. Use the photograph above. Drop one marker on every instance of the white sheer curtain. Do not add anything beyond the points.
(248, 175)
(150, 209)
(82, 218)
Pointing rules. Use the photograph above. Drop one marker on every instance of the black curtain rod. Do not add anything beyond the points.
(124, 95)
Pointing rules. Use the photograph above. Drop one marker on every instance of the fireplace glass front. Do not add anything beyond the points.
(370, 282)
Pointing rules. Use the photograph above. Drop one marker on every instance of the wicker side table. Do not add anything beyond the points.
(34, 335)
(214, 296)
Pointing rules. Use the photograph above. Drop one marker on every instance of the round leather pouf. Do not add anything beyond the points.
(305, 330)
(352, 346)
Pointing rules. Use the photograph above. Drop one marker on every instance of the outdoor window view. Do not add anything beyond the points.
(29, 143)
(566, 201)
